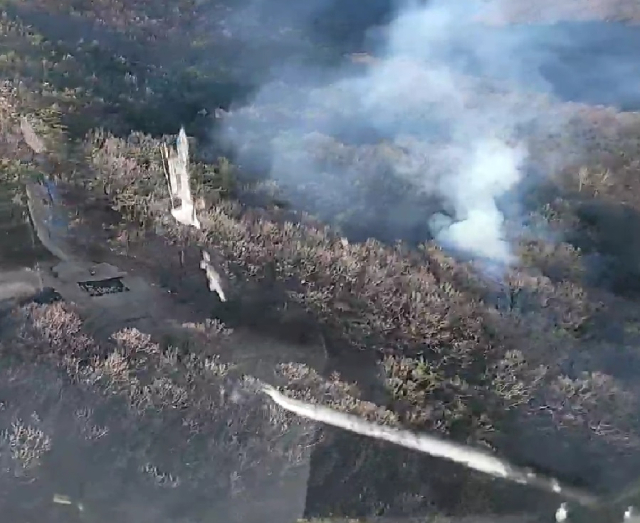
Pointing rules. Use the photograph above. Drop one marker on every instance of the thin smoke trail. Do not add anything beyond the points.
(462, 454)
(469, 457)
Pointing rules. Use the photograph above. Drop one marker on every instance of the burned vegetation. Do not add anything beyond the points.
(134, 424)
(539, 365)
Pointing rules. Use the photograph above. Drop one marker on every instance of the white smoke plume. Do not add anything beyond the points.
(176, 162)
(463, 454)
(423, 94)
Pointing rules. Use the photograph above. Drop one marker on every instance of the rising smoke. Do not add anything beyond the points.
(427, 136)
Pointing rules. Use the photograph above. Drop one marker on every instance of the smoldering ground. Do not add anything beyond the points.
(432, 138)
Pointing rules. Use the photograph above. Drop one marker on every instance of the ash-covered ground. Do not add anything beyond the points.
(421, 216)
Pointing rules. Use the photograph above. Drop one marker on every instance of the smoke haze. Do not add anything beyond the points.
(431, 118)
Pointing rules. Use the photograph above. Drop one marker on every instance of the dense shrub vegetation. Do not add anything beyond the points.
(549, 349)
